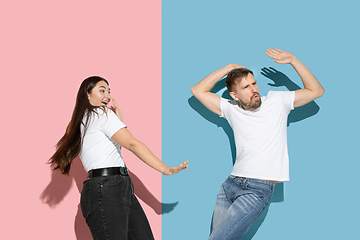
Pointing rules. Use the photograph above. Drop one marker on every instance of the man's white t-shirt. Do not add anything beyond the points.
(98, 150)
(261, 136)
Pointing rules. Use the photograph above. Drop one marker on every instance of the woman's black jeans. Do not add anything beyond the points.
(112, 211)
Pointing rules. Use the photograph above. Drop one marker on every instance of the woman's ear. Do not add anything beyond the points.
(88, 95)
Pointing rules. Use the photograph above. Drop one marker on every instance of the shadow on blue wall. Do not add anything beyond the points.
(60, 185)
(280, 79)
(298, 114)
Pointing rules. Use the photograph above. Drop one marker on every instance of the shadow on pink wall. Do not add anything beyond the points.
(60, 185)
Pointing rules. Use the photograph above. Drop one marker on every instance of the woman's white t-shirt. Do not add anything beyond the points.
(98, 150)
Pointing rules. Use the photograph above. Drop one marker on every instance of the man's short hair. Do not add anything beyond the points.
(236, 75)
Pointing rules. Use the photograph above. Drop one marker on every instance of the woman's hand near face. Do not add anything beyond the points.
(117, 110)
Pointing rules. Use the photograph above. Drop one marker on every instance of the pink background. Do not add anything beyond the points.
(47, 49)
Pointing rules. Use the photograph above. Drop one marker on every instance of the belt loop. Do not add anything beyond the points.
(124, 171)
(245, 182)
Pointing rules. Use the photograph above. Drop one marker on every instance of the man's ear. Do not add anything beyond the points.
(233, 95)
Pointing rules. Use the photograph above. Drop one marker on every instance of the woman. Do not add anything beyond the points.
(95, 133)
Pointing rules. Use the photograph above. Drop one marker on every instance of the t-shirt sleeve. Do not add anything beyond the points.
(111, 123)
(288, 98)
(224, 106)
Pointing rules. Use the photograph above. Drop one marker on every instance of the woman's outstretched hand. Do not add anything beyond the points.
(174, 170)
(117, 110)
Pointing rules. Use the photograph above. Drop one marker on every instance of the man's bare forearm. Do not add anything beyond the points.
(308, 79)
(209, 82)
(312, 88)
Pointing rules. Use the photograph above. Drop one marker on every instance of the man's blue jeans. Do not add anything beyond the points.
(112, 211)
(239, 203)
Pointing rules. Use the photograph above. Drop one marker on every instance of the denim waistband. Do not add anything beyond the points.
(245, 179)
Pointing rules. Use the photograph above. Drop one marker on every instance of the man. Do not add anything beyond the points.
(259, 125)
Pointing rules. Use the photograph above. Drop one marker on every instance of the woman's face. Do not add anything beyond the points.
(100, 94)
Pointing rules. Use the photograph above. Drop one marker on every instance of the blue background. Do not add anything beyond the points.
(321, 201)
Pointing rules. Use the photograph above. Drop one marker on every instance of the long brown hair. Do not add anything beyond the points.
(69, 145)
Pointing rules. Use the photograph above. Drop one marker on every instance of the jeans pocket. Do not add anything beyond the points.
(115, 188)
(258, 192)
(112, 180)
(261, 189)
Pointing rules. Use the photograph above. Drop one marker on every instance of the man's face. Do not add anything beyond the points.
(246, 91)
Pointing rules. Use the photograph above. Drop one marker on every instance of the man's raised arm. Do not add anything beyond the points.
(202, 90)
(312, 88)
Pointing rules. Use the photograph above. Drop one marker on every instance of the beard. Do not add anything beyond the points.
(253, 104)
